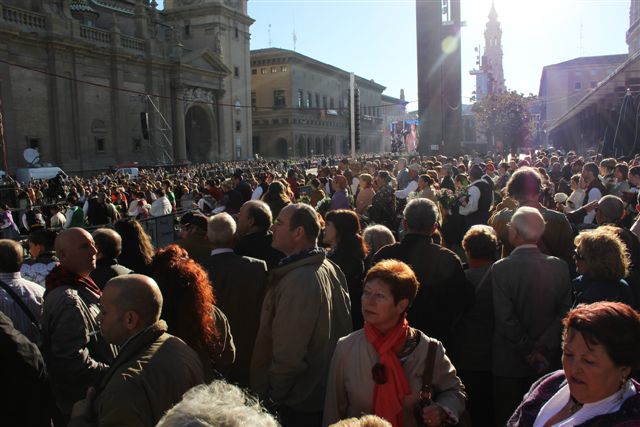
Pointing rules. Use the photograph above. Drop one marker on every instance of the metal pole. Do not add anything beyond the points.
(352, 113)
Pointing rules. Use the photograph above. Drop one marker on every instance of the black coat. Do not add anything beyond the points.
(107, 269)
(444, 293)
(353, 269)
(258, 245)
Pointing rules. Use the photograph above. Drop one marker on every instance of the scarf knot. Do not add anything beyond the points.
(60, 276)
(391, 382)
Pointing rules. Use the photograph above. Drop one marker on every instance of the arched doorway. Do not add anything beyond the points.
(282, 148)
(200, 135)
(301, 147)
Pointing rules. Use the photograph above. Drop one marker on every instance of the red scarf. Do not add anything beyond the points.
(388, 397)
(60, 276)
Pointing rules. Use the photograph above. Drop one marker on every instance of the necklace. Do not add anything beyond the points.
(574, 405)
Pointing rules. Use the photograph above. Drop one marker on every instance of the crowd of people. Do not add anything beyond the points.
(378, 291)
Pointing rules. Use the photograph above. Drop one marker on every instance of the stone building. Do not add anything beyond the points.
(490, 74)
(75, 76)
(301, 107)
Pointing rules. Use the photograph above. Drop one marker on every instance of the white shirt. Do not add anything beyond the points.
(594, 194)
(410, 188)
(257, 193)
(588, 411)
(474, 198)
(161, 206)
(221, 251)
(57, 221)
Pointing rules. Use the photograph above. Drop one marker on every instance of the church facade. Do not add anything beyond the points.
(94, 83)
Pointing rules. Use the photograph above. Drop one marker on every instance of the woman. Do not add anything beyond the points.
(365, 195)
(473, 334)
(593, 388)
(384, 203)
(341, 232)
(340, 198)
(425, 188)
(602, 262)
(317, 193)
(621, 174)
(378, 370)
(43, 256)
(576, 198)
(276, 198)
(231, 200)
(189, 309)
(375, 237)
(137, 249)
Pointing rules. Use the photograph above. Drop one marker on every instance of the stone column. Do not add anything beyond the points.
(179, 137)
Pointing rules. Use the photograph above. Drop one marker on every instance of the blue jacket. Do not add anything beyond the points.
(588, 289)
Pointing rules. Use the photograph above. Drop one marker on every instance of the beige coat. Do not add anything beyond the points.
(305, 311)
(350, 386)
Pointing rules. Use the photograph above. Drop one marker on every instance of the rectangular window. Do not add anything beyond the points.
(317, 101)
(253, 101)
(100, 145)
(577, 86)
(593, 85)
(238, 125)
(263, 70)
(283, 69)
(187, 30)
(324, 102)
(274, 69)
(236, 33)
(33, 142)
(279, 99)
(308, 99)
(254, 71)
(236, 71)
(300, 98)
(331, 103)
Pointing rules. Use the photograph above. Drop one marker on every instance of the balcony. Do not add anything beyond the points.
(24, 18)
(95, 34)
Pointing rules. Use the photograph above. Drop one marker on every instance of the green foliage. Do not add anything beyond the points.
(505, 117)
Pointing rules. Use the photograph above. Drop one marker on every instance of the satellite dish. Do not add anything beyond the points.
(31, 156)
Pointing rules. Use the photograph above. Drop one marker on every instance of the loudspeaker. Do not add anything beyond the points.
(144, 124)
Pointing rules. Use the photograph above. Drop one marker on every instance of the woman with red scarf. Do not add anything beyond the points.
(379, 369)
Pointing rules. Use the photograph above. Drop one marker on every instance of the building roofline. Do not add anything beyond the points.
(272, 51)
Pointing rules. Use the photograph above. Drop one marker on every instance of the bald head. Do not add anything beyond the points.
(529, 224)
(139, 293)
(76, 250)
(610, 210)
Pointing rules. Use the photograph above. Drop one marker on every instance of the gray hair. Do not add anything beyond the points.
(529, 223)
(217, 404)
(420, 215)
(377, 236)
(220, 229)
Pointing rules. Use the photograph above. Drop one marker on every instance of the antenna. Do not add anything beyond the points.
(580, 45)
(295, 37)
(269, 35)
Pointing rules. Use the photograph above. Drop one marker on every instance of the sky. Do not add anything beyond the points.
(376, 39)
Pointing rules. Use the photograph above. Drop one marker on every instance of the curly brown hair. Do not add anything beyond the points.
(604, 253)
(188, 298)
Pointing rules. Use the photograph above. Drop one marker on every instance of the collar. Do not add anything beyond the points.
(525, 246)
(10, 276)
(476, 181)
(221, 251)
(300, 255)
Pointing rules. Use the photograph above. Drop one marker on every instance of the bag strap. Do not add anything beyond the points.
(427, 376)
(484, 279)
(20, 303)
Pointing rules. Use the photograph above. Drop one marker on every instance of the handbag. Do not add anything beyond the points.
(426, 392)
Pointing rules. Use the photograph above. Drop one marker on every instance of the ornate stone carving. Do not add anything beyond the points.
(192, 95)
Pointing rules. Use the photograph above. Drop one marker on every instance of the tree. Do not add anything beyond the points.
(505, 116)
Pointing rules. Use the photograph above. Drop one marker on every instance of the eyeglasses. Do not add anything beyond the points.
(578, 256)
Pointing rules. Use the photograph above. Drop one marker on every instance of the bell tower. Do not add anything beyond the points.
(492, 58)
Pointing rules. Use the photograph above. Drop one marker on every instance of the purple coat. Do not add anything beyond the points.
(627, 416)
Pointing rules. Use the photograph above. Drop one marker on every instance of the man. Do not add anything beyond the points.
(305, 312)
(384, 203)
(109, 246)
(100, 210)
(476, 209)
(292, 180)
(412, 184)
(402, 175)
(594, 191)
(531, 295)
(153, 369)
(446, 181)
(57, 219)
(241, 186)
(161, 205)
(193, 236)
(524, 187)
(20, 299)
(75, 354)
(75, 215)
(43, 256)
(240, 283)
(445, 293)
(254, 221)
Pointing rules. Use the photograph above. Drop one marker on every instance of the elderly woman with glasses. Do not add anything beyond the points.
(600, 350)
(379, 369)
(602, 262)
